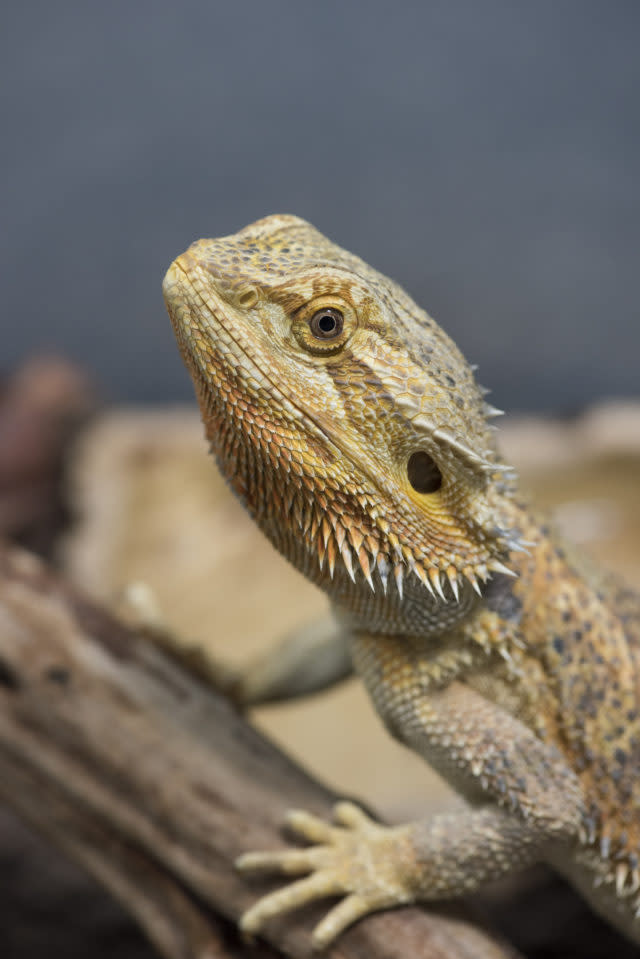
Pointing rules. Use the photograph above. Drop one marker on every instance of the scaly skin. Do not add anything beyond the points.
(485, 645)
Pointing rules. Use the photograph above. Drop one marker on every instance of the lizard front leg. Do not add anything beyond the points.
(530, 797)
(377, 867)
(307, 659)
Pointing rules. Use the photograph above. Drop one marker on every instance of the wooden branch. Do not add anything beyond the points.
(154, 784)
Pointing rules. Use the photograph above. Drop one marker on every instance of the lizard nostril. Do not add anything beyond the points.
(423, 472)
(247, 297)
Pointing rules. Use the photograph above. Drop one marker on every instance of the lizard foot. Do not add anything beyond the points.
(368, 864)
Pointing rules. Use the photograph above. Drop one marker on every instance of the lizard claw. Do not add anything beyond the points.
(352, 858)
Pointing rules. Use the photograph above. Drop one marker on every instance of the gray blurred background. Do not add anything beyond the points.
(485, 154)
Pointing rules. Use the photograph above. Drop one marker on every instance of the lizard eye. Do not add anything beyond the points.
(423, 473)
(327, 323)
(324, 325)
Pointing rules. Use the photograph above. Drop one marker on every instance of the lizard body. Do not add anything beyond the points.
(352, 429)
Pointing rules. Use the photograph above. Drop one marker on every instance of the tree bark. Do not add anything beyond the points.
(130, 765)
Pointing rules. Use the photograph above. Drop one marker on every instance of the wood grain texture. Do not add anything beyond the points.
(134, 768)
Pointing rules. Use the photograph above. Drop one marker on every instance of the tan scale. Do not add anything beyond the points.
(352, 429)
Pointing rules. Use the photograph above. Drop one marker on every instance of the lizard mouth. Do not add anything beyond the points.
(232, 349)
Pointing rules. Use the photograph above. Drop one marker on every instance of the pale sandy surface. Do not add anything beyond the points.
(154, 509)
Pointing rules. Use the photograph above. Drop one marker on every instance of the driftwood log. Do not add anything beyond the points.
(137, 770)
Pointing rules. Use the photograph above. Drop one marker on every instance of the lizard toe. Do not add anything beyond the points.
(347, 912)
(297, 894)
(288, 862)
(311, 828)
(353, 817)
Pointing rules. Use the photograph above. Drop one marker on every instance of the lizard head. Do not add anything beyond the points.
(342, 415)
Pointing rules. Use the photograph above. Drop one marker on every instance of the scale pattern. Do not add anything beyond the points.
(485, 643)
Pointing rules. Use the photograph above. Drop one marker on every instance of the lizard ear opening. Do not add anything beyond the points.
(423, 473)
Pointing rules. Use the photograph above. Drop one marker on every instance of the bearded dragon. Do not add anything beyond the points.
(353, 431)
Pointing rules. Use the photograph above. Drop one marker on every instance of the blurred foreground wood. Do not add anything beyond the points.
(154, 784)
